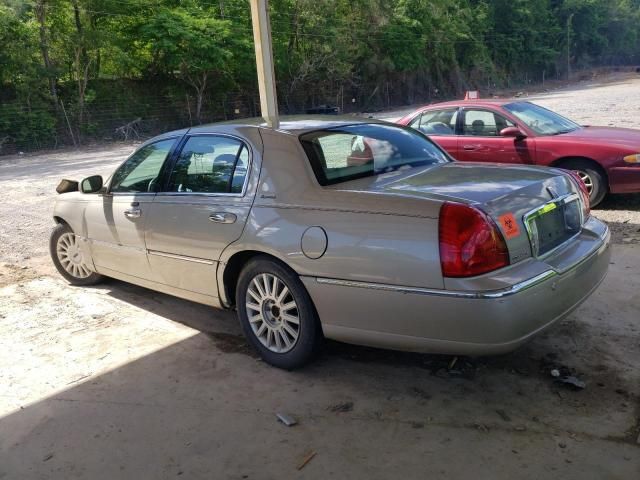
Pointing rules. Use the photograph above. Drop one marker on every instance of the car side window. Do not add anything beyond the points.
(210, 164)
(436, 122)
(483, 123)
(141, 171)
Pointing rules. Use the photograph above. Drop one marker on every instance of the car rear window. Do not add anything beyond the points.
(345, 153)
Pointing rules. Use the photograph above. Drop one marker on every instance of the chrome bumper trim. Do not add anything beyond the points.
(491, 294)
(444, 293)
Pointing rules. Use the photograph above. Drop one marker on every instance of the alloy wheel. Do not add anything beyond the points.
(586, 178)
(273, 313)
(71, 257)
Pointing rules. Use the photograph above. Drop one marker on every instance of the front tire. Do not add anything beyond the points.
(277, 315)
(69, 258)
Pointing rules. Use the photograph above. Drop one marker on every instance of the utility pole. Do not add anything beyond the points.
(569, 18)
(264, 61)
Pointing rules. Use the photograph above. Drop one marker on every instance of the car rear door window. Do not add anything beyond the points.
(210, 164)
(484, 123)
(436, 122)
(141, 171)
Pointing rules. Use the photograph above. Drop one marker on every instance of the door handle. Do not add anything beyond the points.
(470, 147)
(133, 213)
(223, 217)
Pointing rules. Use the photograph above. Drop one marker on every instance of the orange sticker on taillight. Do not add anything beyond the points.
(509, 225)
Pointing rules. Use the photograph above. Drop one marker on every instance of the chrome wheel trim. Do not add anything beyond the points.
(272, 313)
(588, 181)
(71, 257)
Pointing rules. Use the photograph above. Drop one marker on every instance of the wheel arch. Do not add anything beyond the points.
(557, 163)
(232, 267)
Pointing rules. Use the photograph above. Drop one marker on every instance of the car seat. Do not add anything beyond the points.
(477, 127)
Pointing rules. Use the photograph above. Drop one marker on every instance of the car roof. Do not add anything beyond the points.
(487, 102)
(289, 124)
(294, 124)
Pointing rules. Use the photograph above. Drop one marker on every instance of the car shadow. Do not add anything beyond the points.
(621, 201)
(205, 406)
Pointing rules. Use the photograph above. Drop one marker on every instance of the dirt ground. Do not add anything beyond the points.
(116, 381)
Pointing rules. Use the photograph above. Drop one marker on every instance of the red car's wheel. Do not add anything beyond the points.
(592, 177)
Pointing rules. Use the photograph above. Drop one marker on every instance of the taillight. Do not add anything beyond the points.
(470, 242)
(584, 193)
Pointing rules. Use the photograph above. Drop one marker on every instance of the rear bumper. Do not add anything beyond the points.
(456, 322)
(624, 179)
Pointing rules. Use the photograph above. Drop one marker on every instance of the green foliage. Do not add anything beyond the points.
(89, 66)
(34, 128)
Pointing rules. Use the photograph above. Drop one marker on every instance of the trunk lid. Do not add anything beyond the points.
(507, 193)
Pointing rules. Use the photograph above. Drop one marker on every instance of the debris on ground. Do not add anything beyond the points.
(457, 367)
(574, 382)
(503, 415)
(307, 458)
(341, 407)
(288, 420)
(566, 376)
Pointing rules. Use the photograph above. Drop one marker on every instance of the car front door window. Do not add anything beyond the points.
(139, 174)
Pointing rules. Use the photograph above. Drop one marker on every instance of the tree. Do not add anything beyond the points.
(194, 46)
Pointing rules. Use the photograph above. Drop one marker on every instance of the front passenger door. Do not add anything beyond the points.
(201, 210)
(116, 220)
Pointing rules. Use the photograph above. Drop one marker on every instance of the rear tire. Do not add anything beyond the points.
(69, 259)
(277, 315)
(591, 175)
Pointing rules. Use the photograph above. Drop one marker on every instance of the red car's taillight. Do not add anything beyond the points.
(584, 193)
(470, 242)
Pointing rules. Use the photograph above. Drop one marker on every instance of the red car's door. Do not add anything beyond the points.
(480, 139)
(440, 126)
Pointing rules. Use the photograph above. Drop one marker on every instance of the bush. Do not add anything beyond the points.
(26, 129)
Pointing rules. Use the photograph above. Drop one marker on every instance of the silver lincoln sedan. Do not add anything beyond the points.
(358, 231)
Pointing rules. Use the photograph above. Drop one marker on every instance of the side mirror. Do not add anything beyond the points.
(514, 132)
(91, 184)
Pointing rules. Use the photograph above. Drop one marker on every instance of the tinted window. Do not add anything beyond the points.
(345, 153)
(437, 122)
(484, 123)
(140, 172)
(210, 164)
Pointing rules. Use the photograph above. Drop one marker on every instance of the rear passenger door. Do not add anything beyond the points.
(480, 139)
(201, 209)
(439, 126)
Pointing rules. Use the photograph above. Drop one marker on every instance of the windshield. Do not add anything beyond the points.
(348, 152)
(541, 120)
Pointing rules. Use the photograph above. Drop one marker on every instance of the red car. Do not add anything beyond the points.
(508, 131)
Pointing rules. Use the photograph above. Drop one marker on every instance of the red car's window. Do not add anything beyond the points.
(483, 123)
(436, 122)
